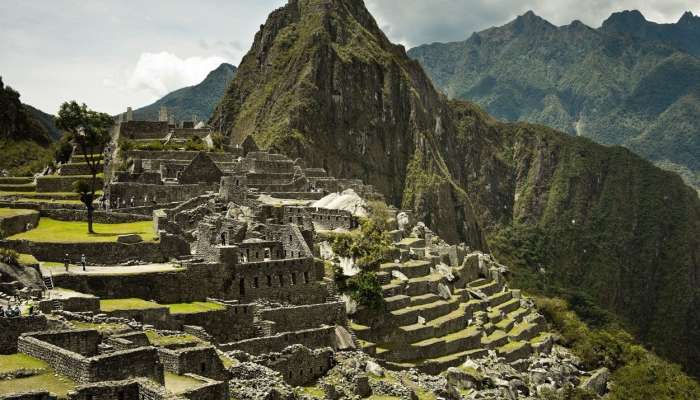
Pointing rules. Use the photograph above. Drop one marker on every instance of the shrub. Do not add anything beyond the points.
(218, 141)
(364, 288)
(64, 148)
(195, 143)
(9, 256)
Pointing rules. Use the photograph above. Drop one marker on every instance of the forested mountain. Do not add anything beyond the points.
(631, 82)
(322, 81)
(26, 134)
(198, 100)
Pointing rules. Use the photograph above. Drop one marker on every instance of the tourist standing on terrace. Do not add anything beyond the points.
(83, 261)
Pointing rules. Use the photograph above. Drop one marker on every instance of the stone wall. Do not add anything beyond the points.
(294, 318)
(209, 389)
(73, 361)
(82, 341)
(107, 253)
(298, 365)
(12, 328)
(141, 362)
(111, 390)
(74, 304)
(17, 224)
(236, 322)
(158, 317)
(201, 360)
(137, 130)
(311, 338)
(101, 217)
(56, 183)
(33, 395)
(124, 191)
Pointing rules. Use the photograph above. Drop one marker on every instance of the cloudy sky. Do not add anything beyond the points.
(111, 54)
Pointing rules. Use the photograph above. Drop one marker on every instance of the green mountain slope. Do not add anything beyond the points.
(620, 84)
(197, 100)
(25, 134)
(322, 81)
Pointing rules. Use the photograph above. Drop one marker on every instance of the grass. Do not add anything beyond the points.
(13, 212)
(107, 329)
(46, 380)
(50, 201)
(52, 231)
(195, 307)
(161, 340)
(27, 259)
(16, 362)
(127, 304)
(312, 391)
(179, 383)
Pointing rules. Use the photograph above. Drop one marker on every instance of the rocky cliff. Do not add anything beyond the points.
(323, 82)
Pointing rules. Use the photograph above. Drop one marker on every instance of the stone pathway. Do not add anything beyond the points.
(110, 270)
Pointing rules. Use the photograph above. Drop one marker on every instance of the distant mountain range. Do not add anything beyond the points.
(630, 82)
(198, 100)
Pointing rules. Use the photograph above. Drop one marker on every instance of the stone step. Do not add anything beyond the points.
(487, 287)
(468, 338)
(496, 339)
(500, 298)
(397, 302)
(424, 299)
(509, 306)
(412, 268)
(409, 315)
(514, 351)
(440, 326)
(434, 366)
(414, 287)
(24, 187)
(525, 331)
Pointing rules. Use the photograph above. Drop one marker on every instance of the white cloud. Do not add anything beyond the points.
(161, 73)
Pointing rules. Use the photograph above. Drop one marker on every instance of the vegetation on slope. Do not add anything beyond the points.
(323, 82)
(24, 135)
(631, 82)
(187, 102)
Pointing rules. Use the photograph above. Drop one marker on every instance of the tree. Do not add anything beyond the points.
(90, 131)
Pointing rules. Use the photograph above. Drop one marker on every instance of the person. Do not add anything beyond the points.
(2, 312)
(131, 202)
(83, 261)
(66, 261)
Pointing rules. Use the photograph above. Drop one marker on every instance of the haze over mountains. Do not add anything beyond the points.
(322, 81)
(631, 82)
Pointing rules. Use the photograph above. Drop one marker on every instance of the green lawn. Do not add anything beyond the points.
(47, 380)
(193, 308)
(127, 304)
(13, 212)
(27, 259)
(53, 231)
(162, 340)
(15, 362)
(47, 195)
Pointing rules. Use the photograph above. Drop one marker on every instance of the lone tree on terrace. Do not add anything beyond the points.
(90, 131)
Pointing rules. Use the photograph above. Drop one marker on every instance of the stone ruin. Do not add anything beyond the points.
(245, 239)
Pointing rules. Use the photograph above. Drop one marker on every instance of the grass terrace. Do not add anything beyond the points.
(127, 304)
(105, 329)
(13, 212)
(157, 339)
(54, 231)
(195, 307)
(45, 378)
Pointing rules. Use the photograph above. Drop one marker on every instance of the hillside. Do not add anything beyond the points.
(26, 134)
(322, 81)
(198, 100)
(632, 82)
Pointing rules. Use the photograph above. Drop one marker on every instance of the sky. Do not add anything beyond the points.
(114, 54)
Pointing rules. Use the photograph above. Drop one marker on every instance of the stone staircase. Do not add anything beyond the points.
(421, 329)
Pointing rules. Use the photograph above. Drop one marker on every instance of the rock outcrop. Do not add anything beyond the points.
(321, 80)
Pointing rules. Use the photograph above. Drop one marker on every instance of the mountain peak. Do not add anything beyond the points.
(530, 22)
(625, 20)
(688, 18)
